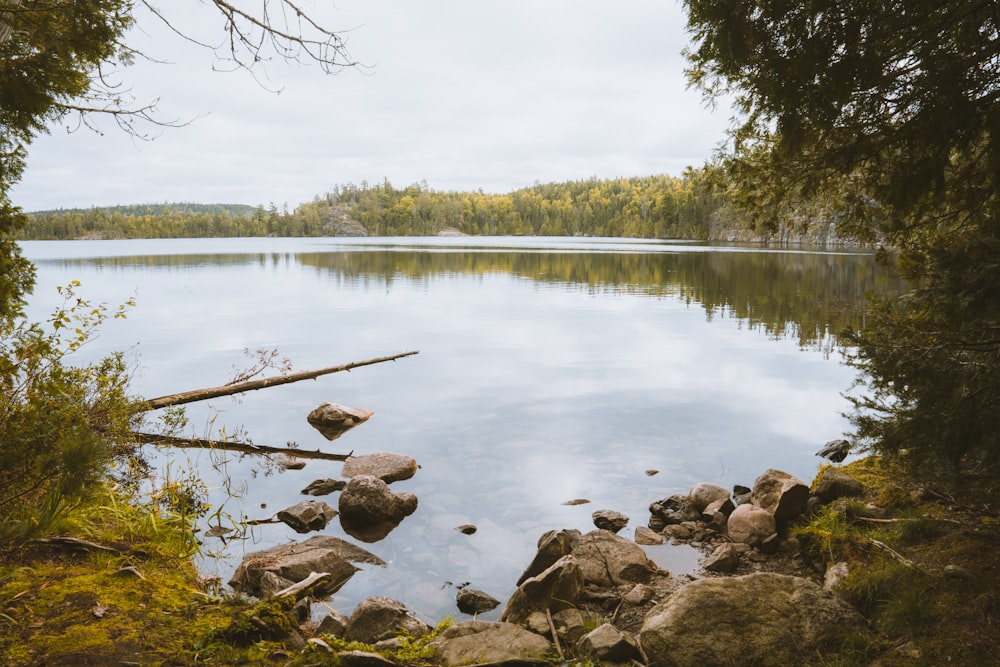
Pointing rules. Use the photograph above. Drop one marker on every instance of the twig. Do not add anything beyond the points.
(898, 556)
(228, 390)
(555, 635)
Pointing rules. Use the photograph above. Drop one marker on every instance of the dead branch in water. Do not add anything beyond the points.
(246, 448)
(230, 389)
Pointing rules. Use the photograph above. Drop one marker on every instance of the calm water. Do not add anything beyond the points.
(549, 370)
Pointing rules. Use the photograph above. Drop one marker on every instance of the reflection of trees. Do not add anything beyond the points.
(809, 295)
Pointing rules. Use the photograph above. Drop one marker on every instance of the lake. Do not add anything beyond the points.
(550, 369)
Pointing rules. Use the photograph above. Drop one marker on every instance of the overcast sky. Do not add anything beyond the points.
(462, 94)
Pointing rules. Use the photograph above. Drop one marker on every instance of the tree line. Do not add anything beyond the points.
(644, 207)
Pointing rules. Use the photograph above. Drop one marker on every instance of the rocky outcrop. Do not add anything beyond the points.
(761, 618)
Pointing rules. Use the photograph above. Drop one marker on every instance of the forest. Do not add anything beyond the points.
(661, 206)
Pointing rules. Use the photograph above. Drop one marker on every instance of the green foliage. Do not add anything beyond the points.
(49, 52)
(650, 207)
(898, 598)
(58, 423)
(885, 117)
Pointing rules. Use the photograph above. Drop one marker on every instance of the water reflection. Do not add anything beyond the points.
(546, 373)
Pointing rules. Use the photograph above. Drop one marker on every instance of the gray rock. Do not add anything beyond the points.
(750, 524)
(607, 560)
(307, 516)
(570, 625)
(781, 494)
(724, 558)
(367, 500)
(609, 520)
(467, 529)
(606, 643)
(558, 587)
(741, 494)
(471, 601)
(833, 484)
(294, 562)
(481, 643)
(387, 467)
(761, 618)
(333, 420)
(647, 536)
(378, 618)
(333, 624)
(552, 546)
(704, 493)
(675, 509)
(323, 487)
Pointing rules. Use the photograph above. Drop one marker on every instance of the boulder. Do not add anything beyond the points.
(307, 516)
(832, 484)
(761, 618)
(741, 494)
(333, 420)
(367, 500)
(607, 560)
(555, 588)
(378, 618)
(609, 520)
(704, 493)
(481, 642)
(471, 601)
(291, 563)
(606, 643)
(781, 494)
(750, 524)
(387, 467)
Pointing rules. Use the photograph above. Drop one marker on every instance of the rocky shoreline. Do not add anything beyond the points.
(586, 596)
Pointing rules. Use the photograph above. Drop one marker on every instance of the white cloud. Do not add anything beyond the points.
(492, 95)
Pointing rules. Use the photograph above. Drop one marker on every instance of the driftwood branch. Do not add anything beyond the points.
(246, 448)
(230, 389)
(898, 556)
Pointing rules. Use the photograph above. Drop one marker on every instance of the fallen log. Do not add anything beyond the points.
(254, 385)
(245, 447)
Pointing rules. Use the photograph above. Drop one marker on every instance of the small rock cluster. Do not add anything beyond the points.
(598, 597)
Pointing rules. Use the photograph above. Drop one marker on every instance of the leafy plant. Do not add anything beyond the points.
(62, 427)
